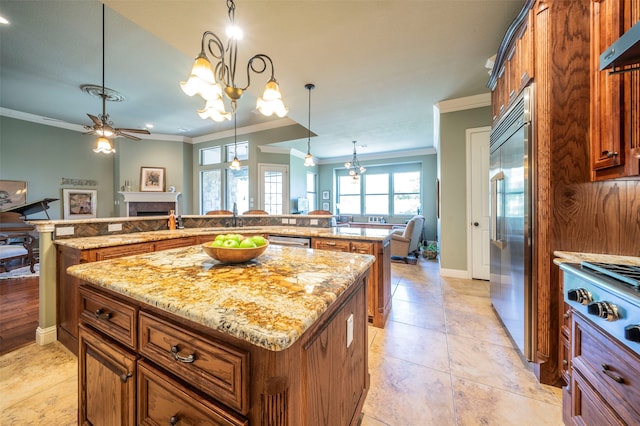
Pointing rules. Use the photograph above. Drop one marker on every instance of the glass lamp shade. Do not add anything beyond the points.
(103, 145)
(201, 77)
(235, 164)
(308, 160)
(271, 100)
(214, 109)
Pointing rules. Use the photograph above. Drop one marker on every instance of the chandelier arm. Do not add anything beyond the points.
(258, 64)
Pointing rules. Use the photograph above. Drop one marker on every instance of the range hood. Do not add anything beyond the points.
(624, 51)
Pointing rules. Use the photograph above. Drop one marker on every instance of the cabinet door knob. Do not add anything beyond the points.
(174, 420)
(100, 314)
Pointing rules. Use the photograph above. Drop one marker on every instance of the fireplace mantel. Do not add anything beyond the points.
(150, 197)
(150, 203)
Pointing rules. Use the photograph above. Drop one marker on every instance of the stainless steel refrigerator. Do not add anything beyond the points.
(511, 221)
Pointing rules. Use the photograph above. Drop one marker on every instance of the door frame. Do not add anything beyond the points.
(285, 183)
(469, 207)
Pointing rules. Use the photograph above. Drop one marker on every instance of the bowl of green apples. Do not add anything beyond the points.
(235, 248)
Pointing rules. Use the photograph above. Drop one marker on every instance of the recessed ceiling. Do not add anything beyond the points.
(378, 66)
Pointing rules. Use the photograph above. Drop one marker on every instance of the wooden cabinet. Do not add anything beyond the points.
(513, 70)
(180, 372)
(107, 381)
(605, 377)
(615, 98)
(379, 286)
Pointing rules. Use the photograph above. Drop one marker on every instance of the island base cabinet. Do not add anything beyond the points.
(162, 401)
(107, 381)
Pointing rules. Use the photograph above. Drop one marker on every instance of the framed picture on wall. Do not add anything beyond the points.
(325, 206)
(80, 203)
(325, 195)
(13, 193)
(152, 179)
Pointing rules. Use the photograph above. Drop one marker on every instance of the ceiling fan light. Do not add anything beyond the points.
(103, 145)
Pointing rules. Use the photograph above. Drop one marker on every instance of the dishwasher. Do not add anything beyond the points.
(285, 240)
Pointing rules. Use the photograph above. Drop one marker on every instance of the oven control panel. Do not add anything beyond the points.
(609, 304)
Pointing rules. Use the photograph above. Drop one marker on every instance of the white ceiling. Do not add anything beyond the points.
(378, 66)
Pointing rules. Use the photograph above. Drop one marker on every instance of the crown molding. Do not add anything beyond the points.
(461, 104)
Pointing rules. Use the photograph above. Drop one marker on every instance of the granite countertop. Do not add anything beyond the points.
(576, 257)
(85, 243)
(270, 301)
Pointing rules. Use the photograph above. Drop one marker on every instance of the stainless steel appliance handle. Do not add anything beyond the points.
(496, 237)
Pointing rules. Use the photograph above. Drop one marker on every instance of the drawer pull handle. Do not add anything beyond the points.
(176, 355)
(100, 314)
(608, 372)
(125, 376)
(330, 243)
(174, 420)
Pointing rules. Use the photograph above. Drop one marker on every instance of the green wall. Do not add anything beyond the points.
(453, 183)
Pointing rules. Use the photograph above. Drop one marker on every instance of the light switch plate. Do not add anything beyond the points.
(349, 330)
(65, 230)
(112, 227)
(313, 222)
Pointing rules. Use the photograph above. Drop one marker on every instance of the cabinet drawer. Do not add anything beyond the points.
(587, 407)
(363, 248)
(121, 251)
(611, 369)
(163, 401)
(335, 245)
(214, 367)
(113, 318)
(175, 243)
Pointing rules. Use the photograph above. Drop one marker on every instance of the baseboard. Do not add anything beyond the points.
(454, 273)
(44, 336)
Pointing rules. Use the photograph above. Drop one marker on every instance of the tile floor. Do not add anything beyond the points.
(443, 359)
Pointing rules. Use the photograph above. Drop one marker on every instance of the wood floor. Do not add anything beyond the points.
(18, 312)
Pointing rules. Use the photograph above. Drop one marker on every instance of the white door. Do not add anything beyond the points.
(478, 175)
(274, 188)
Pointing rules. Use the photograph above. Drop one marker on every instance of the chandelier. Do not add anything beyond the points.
(354, 167)
(308, 159)
(211, 82)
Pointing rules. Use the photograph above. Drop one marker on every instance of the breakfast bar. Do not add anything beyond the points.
(175, 334)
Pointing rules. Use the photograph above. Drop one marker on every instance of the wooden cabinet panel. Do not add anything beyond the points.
(331, 244)
(162, 401)
(116, 319)
(121, 251)
(216, 368)
(107, 381)
(587, 407)
(175, 243)
(615, 103)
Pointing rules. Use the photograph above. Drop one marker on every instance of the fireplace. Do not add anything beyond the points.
(150, 203)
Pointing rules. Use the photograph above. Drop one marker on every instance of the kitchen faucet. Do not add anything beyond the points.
(235, 214)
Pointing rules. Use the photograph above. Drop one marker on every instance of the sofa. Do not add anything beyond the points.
(406, 241)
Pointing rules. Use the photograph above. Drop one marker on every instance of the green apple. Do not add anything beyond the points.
(230, 244)
(232, 237)
(247, 243)
(259, 240)
(220, 237)
(217, 243)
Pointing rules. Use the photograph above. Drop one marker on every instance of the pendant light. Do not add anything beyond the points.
(308, 159)
(235, 164)
(354, 167)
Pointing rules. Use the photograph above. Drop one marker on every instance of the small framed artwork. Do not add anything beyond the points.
(325, 195)
(80, 203)
(325, 206)
(152, 179)
(13, 193)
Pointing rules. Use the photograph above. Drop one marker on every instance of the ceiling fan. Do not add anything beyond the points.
(102, 125)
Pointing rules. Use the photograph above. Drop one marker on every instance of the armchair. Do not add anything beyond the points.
(405, 241)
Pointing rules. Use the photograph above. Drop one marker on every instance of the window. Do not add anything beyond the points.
(238, 189)
(210, 156)
(406, 193)
(312, 191)
(243, 151)
(394, 190)
(211, 190)
(348, 195)
(376, 197)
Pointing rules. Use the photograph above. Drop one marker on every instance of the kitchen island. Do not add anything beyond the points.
(175, 336)
(72, 251)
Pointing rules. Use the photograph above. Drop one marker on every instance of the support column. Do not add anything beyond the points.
(47, 331)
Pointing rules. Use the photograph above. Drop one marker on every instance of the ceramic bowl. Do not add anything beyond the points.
(233, 255)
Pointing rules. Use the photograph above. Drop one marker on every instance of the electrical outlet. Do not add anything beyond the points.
(313, 222)
(349, 330)
(113, 227)
(285, 221)
(65, 230)
(292, 221)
